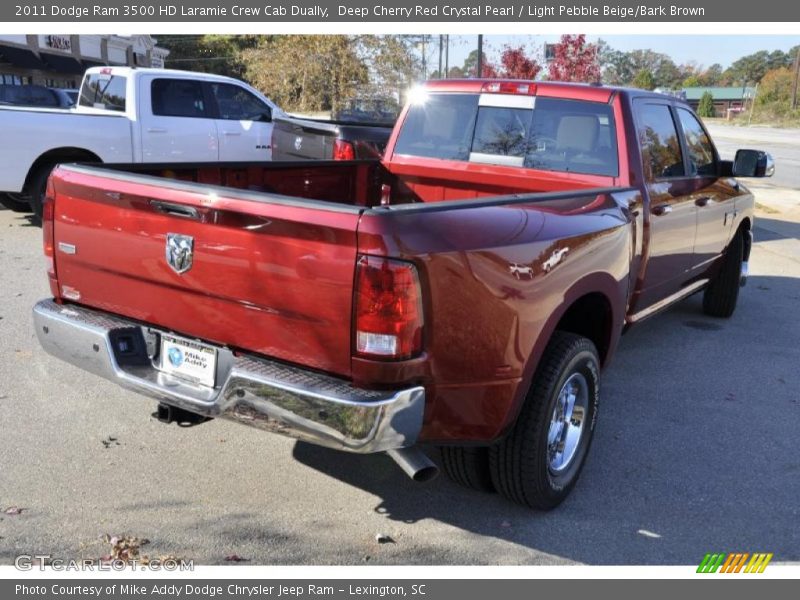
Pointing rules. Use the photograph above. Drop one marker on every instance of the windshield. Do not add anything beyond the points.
(551, 134)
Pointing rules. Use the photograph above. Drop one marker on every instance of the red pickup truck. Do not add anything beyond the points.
(464, 292)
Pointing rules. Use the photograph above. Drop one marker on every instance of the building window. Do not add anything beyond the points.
(8, 79)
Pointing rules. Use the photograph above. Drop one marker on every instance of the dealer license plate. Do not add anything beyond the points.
(188, 359)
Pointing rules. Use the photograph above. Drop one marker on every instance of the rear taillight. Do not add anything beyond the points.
(388, 309)
(343, 150)
(48, 233)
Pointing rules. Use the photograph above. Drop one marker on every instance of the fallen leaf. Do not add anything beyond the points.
(14, 510)
(382, 538)
(235, 558)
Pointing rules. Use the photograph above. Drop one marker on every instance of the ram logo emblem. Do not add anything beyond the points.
(180, 252)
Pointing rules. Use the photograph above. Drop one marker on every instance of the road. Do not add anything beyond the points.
(783, 144)
(695, 451)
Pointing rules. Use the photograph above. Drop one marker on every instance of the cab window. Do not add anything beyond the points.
(102, 90)
(237, 104)
(698, 146)
(659, 142)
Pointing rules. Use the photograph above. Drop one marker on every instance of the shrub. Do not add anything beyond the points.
(706, 107)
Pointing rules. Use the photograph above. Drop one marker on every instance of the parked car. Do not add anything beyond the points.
(465, 292)
(360, 130)
(32, 95)
(296, 138)
(67, 96)
(135, 115)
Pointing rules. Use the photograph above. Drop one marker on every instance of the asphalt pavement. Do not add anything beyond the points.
(783, 144)
(696, 451)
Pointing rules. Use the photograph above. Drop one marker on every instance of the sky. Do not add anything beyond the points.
(702, 49)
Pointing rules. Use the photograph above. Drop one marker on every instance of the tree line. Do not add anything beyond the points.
(320, 72)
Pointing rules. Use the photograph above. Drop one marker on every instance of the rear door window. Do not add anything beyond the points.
(178, 98)
(659, 142)
(103, 90)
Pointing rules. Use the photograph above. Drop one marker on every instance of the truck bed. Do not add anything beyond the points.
(276, 246)
(361, 183)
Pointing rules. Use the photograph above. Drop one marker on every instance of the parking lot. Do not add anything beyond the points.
(695, 451)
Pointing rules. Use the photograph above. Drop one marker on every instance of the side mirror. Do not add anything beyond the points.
(266, 116)
(753, 163)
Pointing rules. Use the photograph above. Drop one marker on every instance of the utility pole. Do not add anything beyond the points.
(424, 60)
(447, 56)
(752, 107)
(479, 74)
(441, 50)
(796, 77)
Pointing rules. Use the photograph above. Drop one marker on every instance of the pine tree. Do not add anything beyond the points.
(706, 107)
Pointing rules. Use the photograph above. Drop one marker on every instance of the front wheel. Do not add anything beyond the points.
(539, 462)
(722, 293)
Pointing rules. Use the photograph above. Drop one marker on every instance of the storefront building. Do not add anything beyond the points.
(60, 60)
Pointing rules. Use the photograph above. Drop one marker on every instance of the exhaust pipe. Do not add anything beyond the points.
(415, 464)
(172, 414)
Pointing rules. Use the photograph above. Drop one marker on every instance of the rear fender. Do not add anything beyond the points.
(596, 283)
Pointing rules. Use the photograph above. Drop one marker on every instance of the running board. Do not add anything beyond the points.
(662, 304)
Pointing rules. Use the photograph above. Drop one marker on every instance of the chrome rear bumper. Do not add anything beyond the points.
(280, 398)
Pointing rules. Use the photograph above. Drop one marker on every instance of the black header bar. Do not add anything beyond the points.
(499, 11)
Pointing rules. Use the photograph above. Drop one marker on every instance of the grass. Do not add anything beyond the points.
(767, 209)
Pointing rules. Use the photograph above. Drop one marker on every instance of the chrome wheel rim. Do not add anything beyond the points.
(567, 423)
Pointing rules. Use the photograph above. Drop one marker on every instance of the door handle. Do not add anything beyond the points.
(174, 209)
(702, 201)
(662, 209)
(156, 130)
(232, 133)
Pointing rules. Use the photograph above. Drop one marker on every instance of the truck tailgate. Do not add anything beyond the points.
(266, 277)
(300, 139)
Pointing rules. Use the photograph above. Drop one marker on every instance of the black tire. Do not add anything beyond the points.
(520, 464)
(722, 293)
(15, 202)
(38, 186)
(468, 467)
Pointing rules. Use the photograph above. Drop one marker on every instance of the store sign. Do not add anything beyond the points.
(59, 42)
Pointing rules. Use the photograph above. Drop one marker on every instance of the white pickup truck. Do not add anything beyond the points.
(131, 115)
